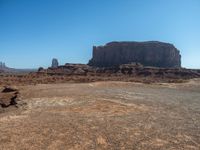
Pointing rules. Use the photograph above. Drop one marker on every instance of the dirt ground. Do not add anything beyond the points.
(104, 115)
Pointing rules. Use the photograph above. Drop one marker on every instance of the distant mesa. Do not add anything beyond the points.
(151, 53)
(2, 65)
(6, 69)
(55, 63)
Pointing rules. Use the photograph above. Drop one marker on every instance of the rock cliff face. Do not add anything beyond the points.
(152, 53)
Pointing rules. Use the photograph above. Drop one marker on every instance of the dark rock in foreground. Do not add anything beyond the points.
(157, 54)
(8, 97)
(9, 90)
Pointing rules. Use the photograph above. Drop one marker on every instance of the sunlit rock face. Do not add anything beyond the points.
(152, 53)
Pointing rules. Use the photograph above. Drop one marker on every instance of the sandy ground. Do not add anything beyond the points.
(104, 115)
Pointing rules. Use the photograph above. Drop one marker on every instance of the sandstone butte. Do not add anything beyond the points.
(151, 53)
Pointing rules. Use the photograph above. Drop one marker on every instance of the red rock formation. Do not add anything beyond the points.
(54, 63)
(153, 53)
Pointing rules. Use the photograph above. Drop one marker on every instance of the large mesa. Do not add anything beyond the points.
(151, 53)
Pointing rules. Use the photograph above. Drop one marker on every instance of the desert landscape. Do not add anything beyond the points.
(128, 105)
(103, 115)
(99, 75)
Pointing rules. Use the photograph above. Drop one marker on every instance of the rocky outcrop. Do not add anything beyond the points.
(8, 97)
(68, 69)
(132, 70)
(157, 54)
(54, 63)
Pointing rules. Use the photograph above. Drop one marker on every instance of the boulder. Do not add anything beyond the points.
(40, 69)
(8, 97)
(8, 90)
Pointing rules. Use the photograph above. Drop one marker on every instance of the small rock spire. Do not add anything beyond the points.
(54, 63)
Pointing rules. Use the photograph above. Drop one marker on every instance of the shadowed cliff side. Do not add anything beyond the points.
(152, 53)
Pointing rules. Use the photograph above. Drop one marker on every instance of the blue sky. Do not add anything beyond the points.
(32, 32)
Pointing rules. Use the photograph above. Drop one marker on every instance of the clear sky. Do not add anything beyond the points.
(32, 32)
